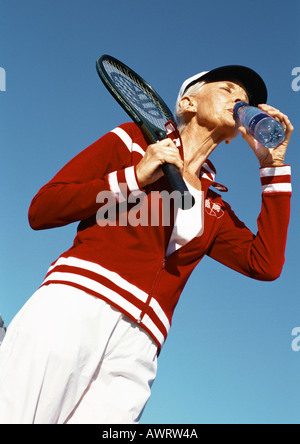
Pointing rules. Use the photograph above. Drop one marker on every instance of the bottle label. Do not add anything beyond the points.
(254, 121)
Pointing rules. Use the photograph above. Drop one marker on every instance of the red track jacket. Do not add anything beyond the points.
(125, 265)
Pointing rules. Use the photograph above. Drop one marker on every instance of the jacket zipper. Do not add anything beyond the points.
(161, 267)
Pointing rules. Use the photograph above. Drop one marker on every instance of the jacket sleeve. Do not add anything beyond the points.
(259, 256)
(71, 195)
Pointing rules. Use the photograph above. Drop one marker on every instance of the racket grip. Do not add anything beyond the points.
(184, 199)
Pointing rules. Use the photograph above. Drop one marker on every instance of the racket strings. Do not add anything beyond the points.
(137, 94)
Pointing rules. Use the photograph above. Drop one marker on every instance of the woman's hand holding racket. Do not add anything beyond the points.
(148, 169)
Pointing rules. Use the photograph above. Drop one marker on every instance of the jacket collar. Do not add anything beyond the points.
(207, 172)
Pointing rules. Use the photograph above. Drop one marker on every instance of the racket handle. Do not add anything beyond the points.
(185, 199)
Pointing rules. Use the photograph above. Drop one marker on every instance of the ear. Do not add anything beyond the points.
(188, 104)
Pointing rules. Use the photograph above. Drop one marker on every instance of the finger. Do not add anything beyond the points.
(166, 143)
(273, 112)
(173, 159)
(165, 147)
(245, 134)
(265, 106)
(279, 116)
(268, 108)
(165, 154)
(161, 144)
(288, 124)
(252, 142)
(165, 151)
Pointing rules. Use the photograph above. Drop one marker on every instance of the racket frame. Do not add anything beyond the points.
(151, 132)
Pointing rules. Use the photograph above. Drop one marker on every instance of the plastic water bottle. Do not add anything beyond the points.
(266, 130)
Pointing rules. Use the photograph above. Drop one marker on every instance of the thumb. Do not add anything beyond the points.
(249, 139)
(243, 132)
(260, 151)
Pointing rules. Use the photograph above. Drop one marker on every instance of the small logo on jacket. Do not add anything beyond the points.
(213, 209)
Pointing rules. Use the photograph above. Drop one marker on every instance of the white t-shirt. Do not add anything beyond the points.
(188, 223)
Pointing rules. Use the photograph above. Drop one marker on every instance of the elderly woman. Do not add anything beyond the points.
(89, 338)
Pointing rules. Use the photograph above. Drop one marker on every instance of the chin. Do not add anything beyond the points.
(229, 135)
(231, 131)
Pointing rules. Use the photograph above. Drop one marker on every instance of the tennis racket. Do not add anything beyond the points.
(147, 109)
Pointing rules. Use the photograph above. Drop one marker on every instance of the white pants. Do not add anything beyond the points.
(69, 357)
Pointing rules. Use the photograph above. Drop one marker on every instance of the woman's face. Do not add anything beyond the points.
(214, 106)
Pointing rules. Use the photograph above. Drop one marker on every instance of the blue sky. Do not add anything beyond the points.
(228, 358)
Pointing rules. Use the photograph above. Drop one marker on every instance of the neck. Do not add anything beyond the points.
(198, 143)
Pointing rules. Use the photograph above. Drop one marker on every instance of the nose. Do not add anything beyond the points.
(239, 99)
(241, 96)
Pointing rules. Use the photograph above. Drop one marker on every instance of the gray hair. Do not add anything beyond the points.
(180, 114)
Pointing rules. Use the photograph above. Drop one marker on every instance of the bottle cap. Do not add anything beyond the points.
(237, 107)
